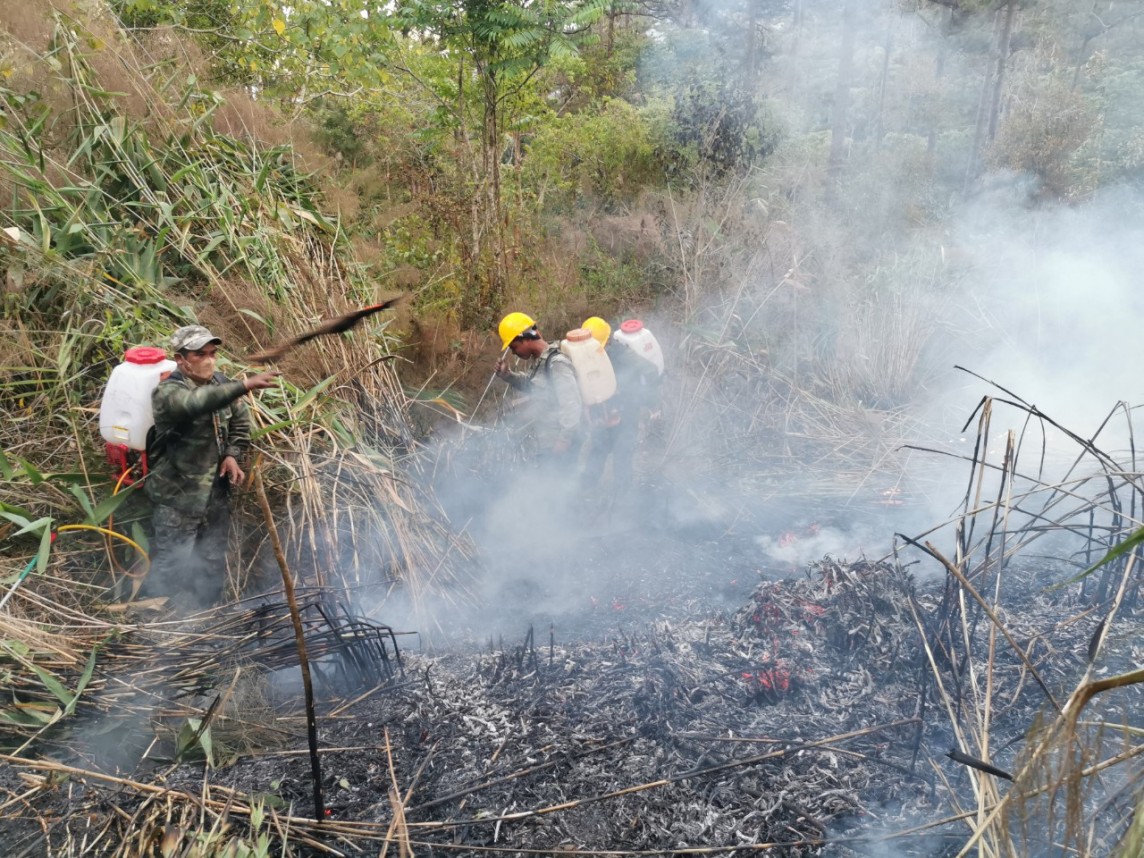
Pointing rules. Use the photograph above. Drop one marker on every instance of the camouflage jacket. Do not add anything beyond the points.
(196, 427)
(553, 408)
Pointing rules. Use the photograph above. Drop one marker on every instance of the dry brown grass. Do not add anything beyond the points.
(143, 69)
(16, 626)
(117, 64)
(244, 118)
(113, 57)
(634, 235)
(387, 215)
(14, 344)
(30, 24)
(341, 202)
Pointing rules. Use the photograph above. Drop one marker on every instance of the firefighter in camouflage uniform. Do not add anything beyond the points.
(201, 433)
(553, 410)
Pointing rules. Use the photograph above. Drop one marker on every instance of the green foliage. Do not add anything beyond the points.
(1042, 136)
(19, 477)
(98, 513)
(111, 218)
(607, 281)
(720, 126)
(58, 702)
(600, 71)
(307, 48)
(501, 36)
(605, 156)
(194, 742)
(1132, 845)
(339, 134)
(504, 44)
(40, 527)
(200, 15)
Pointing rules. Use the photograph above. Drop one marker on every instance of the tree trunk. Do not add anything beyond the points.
(485, 293)
(978, 132)
(1004, 46)
(841, 106)
(1081, 59)
(752, 52)
(879, 121)
(938, 74)
(496, 208)
(980, 125)
(485, 263)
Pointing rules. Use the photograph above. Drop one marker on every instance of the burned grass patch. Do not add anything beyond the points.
(791, 723)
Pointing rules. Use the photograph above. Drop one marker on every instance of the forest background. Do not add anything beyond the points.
(820, 206)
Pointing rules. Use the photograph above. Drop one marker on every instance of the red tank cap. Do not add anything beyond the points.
(145, 355)
(578, 335)
(631, 326)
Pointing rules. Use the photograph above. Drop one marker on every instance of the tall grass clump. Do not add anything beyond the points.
(1032, 647)
(127, 214)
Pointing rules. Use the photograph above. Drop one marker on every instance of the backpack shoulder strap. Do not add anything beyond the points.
(553, 352)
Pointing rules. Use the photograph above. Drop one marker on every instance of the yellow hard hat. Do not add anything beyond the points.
(600, 329)
(512, 326)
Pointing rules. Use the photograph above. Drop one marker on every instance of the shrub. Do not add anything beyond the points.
(606, 157)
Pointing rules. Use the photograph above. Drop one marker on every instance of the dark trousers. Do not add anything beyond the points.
(188, 552)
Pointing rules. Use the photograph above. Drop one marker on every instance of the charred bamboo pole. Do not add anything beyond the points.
(235, 803)
(1036, 674)
(932, 551)
(300, 639)
(981, 765)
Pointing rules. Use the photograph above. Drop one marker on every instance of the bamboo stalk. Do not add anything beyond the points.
(300, 639)
(397, 823)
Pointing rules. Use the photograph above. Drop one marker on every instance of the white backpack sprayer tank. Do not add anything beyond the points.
(640, 340)
(593, 369)
(125, 412)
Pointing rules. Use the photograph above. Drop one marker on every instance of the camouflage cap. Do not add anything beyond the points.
(192, 338)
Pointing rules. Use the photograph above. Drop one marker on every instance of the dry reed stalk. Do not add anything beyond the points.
(63, 650)
(1061, 766)
(398, 830)
(1062, 733)
(210, 808)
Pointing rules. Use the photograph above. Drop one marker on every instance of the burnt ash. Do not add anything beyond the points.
(704, 731)
(729, 710)
(714, 729)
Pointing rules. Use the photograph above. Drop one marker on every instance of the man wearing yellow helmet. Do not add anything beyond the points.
(553, 406)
